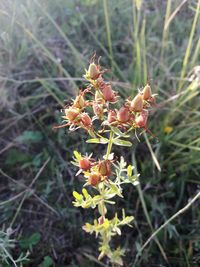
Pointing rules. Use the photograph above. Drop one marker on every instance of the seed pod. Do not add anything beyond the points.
(108, 93)
(93, 71)
(141, 120)
(137, 103)
(98, 109)
(79, 102)
(111, 116)
(104, 168)
(86, 120)
(152, 100)
(71, 113)
(84, 164)
(101, 220)
(94, 178)
(147, 92)
(123, 114)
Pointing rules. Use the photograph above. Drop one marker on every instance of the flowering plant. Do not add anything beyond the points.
(105, 175)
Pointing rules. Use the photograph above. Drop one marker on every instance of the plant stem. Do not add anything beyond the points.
(109, 147)
(140, 193)
(197, 196)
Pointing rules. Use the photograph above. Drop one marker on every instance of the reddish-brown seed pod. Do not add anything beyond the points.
(86, 120)
(146, 92)
(123, 114)
(79, 102)
(101, 220)
(137, 103)
(152, 100)
(104, 168)
(111, 116)
(108, 93)
(93, 71)
(94, 178)
(71, 113)
(98, 109)
(84, 164)
(141, 120)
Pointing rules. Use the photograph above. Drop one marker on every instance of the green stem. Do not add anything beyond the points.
(109, 147)
(101, 189)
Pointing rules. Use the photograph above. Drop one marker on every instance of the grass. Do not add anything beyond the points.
(45, 46)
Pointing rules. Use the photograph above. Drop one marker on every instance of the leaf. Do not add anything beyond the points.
(77, 155)
(30, 137)
(120, 142)
(129, 170)
(47, 262)
(77, 196)
(85, 193)
(15, 156)
(28, 242)
(118, 132)
(97, 141)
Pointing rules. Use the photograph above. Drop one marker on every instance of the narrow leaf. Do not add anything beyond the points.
(120, 142)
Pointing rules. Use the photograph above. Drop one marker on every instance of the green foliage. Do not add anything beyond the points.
(30, 241)
(7, 244)
(29, 137)
(47, 262)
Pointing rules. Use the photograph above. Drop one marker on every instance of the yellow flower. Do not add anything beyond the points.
(168, 129)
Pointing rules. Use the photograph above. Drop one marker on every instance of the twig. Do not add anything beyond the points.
(164, 224)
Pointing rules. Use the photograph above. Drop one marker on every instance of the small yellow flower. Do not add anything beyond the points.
(168, 129)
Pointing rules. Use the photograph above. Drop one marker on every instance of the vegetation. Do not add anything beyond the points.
(45, 47)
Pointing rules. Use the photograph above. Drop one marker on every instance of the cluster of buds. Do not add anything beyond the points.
(96, 102)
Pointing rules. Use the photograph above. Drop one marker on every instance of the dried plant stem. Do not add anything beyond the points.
(165, 224)
(147, 215)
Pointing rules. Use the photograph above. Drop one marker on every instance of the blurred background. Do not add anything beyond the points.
(45, 47)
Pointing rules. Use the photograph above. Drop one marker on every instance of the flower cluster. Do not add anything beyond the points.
(99, 102)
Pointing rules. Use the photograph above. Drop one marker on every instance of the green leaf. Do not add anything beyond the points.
(28, 242)
(120, 142)
(15, 156)
(85, 193)
(77, 155)
(30, 137)
(129, 170)
(77, 196)
(47, 262)
(97, 141)
(118, 132)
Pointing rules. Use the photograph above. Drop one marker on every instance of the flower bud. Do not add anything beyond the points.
(141, 120)
(108, 93)
(111, 116)
(84, 164)
(104, 168)
(71, 113)
(137, 103)
(86, 120)
(93, 71)
(94, 178)
(147, 92)
(123, 114)
(79, 102)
